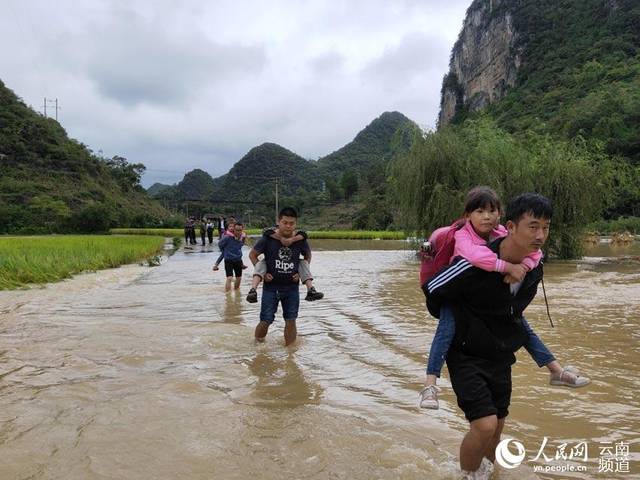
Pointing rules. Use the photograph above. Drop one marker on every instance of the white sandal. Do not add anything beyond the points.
(428, 397)
(569, 377)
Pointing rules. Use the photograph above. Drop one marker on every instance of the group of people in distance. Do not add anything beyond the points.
(206, 226)
(490, 276)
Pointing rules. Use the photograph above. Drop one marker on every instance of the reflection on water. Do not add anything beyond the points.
(281, 382)
(141, 373)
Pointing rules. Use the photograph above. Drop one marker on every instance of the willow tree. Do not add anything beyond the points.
(431, 180)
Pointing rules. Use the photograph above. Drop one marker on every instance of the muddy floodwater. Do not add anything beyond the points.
(152, 373)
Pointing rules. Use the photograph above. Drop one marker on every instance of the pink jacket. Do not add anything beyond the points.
(473, 247)
(230, 233)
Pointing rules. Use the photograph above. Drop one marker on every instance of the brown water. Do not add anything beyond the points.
(152, 373)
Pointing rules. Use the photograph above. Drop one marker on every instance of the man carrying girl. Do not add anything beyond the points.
(480, 226)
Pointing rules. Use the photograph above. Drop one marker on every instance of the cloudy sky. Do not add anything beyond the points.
(179, 85)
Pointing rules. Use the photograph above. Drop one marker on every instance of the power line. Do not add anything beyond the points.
(264, 177)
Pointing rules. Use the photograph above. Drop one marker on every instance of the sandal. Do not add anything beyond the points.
(569, 377)
(428, 397)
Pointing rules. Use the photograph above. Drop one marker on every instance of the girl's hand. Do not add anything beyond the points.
(287, 242)
(517, 272)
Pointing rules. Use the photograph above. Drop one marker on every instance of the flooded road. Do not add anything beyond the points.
(152, 373)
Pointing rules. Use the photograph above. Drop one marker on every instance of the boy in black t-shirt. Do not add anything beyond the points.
(282, 277)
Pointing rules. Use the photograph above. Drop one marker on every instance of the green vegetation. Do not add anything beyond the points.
(248, 189)
(168, 232)
(25, 260)
(326, 234)
(356, 173)
(432, 179)
(581, 74)
(51, 183)
(356, 235)
(156, 189)
(623, 224)
(374, 146)
(569, 128)
(580, 77)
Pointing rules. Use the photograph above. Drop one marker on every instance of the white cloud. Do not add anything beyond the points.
(183, 85)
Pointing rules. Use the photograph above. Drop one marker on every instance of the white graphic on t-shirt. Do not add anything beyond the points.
(284, 264)
(284, 253)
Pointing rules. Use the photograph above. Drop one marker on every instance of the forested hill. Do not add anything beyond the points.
(561, 67)
(540, 96)
(372, 146)
(252, 178)
(49, 182)
(156, 188)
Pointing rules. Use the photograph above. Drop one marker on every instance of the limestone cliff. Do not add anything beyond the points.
(484, 61)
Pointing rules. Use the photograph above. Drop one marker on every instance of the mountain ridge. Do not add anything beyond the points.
(252, 178)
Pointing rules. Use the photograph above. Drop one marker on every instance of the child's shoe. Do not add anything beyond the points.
(428, 397)
(313, 294)
(252, 296)
(569, 377)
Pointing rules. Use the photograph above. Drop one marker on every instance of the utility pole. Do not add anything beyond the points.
(53, 102)
(266, 178)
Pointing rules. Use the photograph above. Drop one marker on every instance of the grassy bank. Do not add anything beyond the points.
(326, 234)
(607, 227)
(25, 260)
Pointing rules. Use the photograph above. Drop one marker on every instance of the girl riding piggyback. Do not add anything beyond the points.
(468, 238)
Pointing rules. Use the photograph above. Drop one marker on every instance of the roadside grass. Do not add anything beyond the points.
(621, 225)
(43, 259)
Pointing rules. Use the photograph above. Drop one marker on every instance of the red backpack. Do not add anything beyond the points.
(442, 242)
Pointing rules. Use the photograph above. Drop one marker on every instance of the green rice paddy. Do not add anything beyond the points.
(25, 260)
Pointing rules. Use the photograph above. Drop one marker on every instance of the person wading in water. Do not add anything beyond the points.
(282, 278)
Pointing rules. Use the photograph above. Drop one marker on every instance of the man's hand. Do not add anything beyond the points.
(268, 277)
(296, 277)
(216, 268)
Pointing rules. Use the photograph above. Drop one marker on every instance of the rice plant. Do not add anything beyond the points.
(26, 260)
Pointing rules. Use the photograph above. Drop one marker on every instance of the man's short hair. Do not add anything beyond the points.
(533, 203)
(239, 224)
(288, 212)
